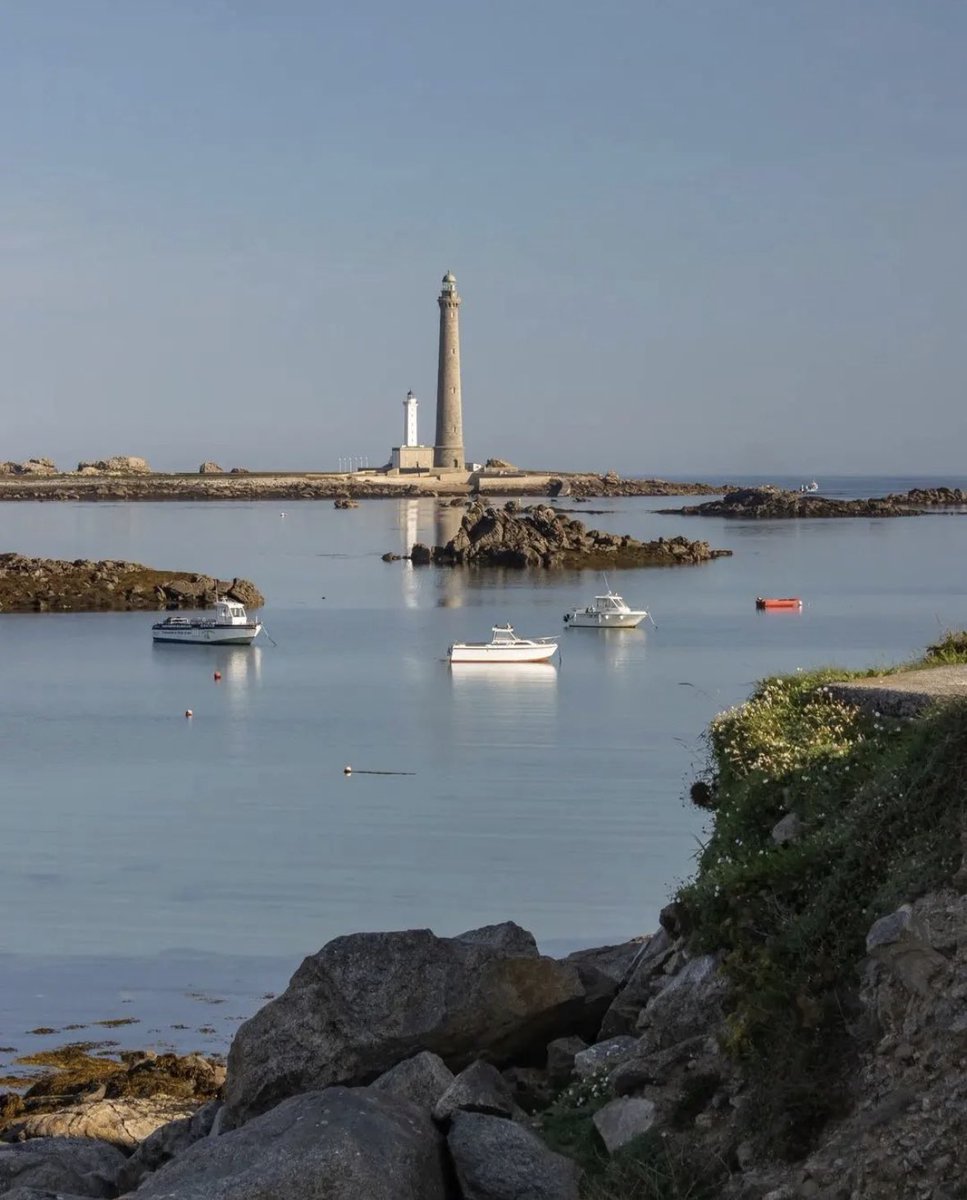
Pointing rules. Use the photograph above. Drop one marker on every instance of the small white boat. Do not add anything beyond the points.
(504, 647)
(813, 486)
(228, 626)
(607, 612)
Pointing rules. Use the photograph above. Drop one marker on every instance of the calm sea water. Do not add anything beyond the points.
(172, 870)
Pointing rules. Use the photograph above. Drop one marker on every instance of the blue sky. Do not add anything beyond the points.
(691, 238)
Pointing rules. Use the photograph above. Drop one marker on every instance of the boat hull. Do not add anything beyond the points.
(486, 653)
(211, 635)
(778, 602)
(578, 619)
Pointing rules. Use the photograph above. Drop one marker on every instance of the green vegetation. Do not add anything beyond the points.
(882, 804)
(656, 1166)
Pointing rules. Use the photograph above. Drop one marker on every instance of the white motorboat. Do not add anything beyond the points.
(504, 647)
(607, 612)
(229, 625)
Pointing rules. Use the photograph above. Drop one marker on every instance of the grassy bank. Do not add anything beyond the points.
(878, 806)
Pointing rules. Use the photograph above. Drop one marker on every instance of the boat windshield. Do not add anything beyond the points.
(504, 634)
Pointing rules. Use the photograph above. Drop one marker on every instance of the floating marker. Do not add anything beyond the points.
(189, 713)
(347, 770)
(217, 676)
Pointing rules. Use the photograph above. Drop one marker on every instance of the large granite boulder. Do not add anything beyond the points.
(496, 1159)
(210, 468)
(369, 1000)
(77, 1165)
(336, 1144)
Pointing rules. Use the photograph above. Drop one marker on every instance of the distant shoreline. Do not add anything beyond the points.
(282, 485)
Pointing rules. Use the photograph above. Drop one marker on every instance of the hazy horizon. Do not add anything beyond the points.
(702, 240)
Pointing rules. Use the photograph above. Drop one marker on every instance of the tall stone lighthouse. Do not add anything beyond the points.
(448, 447)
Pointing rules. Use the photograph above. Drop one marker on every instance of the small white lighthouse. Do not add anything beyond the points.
(409, 420)
(409, 455)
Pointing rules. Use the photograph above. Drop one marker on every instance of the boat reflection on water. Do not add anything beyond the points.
(623, 648)
(510, 675)
(238, 664)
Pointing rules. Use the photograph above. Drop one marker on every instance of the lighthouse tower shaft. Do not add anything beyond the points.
(448, 447)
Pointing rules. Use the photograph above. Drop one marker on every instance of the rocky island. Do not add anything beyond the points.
(772, 503)
(540, 536)
(55, 585)
(130, 478)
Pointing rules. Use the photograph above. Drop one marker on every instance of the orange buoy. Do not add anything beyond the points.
(217, 676)
(189, 713)
(778, 602)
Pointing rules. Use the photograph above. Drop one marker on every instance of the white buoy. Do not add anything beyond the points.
(347, 770)
(189, 713)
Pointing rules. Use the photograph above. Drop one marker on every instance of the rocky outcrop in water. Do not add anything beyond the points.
(32, 466)
(772, 503)
(210, 468)
(540, 536)
(55, 585)
(939, 497)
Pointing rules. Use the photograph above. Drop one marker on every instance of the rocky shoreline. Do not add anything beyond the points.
(57, 585)
(129, 484)
(541, 536)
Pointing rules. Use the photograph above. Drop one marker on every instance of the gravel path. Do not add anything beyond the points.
(906, 693)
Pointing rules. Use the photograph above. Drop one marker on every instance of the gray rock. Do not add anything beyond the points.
(900, 942)
(31, 1193)
(603, 970)
(689, 1004)
(640, 985)
(337, 1144)
(122, 1122)
(78, 1165)
(478, 1088)
(162, 1145)
(604, 1054)
(789, 829)
(366, 1001)
(501, 1160)
(421, 1080)
(624, 1119)
(560, 1058)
